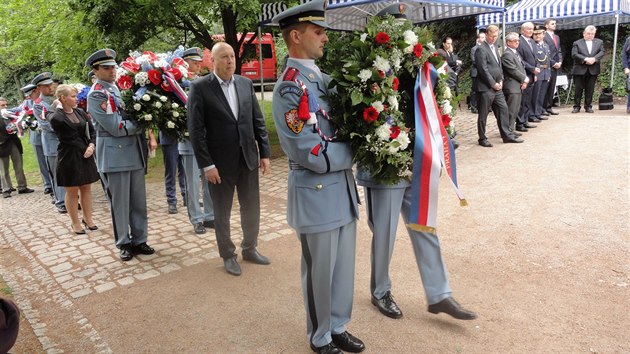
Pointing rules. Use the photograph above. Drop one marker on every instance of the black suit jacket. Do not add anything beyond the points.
(579, 52)
(216, 136)
(555, 52)
(527, 55)
(489, 71)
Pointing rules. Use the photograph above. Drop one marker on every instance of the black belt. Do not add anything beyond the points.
(102, 134)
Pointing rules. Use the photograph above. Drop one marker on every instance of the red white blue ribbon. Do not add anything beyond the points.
(433, 150)
(177, 90)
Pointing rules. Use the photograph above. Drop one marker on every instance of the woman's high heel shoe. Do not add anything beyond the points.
(92, 228)
(80, 232)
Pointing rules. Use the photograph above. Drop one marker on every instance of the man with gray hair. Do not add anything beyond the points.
(526, 50)
(587, 54)
(515, 79)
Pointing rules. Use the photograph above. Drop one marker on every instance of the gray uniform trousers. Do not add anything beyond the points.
(384, 205)
(193, 174)
(327, 296)
(128, 205)
(36, 140)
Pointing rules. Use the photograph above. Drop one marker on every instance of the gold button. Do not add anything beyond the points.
(319, 186)
(120, 146)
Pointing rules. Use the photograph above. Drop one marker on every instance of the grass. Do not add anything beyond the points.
(156, 165)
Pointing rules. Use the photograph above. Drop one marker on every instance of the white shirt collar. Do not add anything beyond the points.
(229, 82)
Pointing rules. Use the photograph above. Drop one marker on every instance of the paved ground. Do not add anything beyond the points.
(541, 254)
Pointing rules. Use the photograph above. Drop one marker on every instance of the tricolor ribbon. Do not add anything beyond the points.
(177, 90)
(433, 150)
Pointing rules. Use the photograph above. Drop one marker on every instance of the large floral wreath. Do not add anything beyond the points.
(373, 73)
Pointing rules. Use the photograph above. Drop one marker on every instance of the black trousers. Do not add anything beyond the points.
(496, 101)
(584, 84)
(246, 184)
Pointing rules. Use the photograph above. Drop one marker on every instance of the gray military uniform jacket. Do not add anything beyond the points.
(322, 195)
(41, 109)
(118, 141)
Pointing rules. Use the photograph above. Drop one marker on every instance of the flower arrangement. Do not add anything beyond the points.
(82, 95)
(150, 85)
(373, 73)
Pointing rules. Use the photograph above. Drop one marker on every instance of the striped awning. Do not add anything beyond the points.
(268, 11)
(350, 15)
(567, 13)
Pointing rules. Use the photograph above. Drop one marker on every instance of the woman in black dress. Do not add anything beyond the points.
(76, 168)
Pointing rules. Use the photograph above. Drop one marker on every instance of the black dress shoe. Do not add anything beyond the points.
(544, 113)
(533, 120)
(522, 129)
(199, 229)
(451, 307)
(172, 209)
(142, 248)
(589, 110)
(10, 190)
(387, 305)
(326, 349)
(231, 266)
(529, 126)
(552, 112)
(543, 118)
(516, 134)
(348, 342)
(6, 194)
(253, 256)
(125, 253)
(485, 143)
(575, 110)
(209, 224)
(48, 190)
(513, 140)
(474, 111)
(25, 190)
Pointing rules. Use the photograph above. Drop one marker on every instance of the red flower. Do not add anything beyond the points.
(178, 62)
(130, 66)
(155, 76)
(435, 54)
(381, 74)
(395, 84)
(382, 38)
(125, 82)
(446, 120)
(370, 114)
(166, 87)
(152, 56)
(417, 50)
(395, 130)
(177, 74)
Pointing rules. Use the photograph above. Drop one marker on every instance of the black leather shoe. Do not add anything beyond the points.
(199, 229)
(533, 120)
(125, 253)
(348, 342)
(516, 134)
(62, 209)
(522, 129)
(142, 248)
(544, 113)
(589, 110)
(485, 143)
(552, 112)
(387, 305)
(91, 228)
(48, 190)
(513, 140)
(543, 118)
(172, 209)
(25, 190)
(326, 349)
(209, 224)
(529, 126)
(255, 257)
(451, 307)
(6, 194)
(575, 110)
(231, 266)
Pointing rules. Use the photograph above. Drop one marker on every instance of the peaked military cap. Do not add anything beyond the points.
(102, 57)
(312, 11)
(90, 75)
(539, 29)
(42, 79)
(28, 89)
(397, 10)
(193, 53)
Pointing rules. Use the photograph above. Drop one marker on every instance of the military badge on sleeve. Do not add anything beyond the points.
(293, 122)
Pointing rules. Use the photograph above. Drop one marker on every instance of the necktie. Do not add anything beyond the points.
(494, 52)
(555, 40)
(530, 44)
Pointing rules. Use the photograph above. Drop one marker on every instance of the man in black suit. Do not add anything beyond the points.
(228, 134)
(481, 37)
(490, 85)
(555, 58)
(587, 54)
(526, 50)
(515, 78)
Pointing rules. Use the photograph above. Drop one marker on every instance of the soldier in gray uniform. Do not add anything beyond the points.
(200, 217)
(322, 196)
(42, 107)
(119, 157)
(384, 205)
(542, 54)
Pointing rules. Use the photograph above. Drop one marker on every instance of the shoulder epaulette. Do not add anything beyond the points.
(38, 100)
(290, 74)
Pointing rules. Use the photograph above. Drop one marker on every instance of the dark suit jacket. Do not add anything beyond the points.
(513, 71)
(527, 55)
(473, 69)
(216, 136)
(489, 71)
(579, 52)
(7, 140)
(555, 52)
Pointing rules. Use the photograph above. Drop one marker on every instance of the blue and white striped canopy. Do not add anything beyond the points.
(268, 11)
(567, 13)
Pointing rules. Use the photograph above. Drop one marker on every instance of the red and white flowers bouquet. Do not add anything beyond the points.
(151, 87)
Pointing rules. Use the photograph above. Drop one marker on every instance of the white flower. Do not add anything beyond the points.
(447, 93)
(403, 139)
(175, 105)
(120, 71)
(148, 117)
(365, 74)
(392, 150)
(410, 37)
(381, 64)
(405, 173)
(137, 106)
(383, 132)
(184, 71)
(141, 78)
(158, 104)
(393, 102)
(446, 107)
(170, 124)
(408, 50)
(378, 105)
(79, 87)
(146, 98)
(175, 114)
(163, 98)
(363, 37)
(368, 138)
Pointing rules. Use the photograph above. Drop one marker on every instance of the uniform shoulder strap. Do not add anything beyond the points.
(290, 74)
